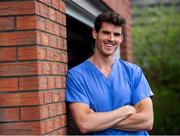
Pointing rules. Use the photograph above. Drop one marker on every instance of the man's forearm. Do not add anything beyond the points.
(135, 122)
(97, 121)
(108, 119)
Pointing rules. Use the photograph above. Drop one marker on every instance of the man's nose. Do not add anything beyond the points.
(111, 37)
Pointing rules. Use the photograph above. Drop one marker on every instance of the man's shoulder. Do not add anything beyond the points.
(79, 68)
(132, 71)
(129, 66)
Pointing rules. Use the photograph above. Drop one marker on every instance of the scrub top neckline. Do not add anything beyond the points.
(111, 74)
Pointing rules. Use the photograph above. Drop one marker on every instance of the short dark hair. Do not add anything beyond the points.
(109, 17)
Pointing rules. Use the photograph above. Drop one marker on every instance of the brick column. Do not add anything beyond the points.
(33, 65)
(123, 7)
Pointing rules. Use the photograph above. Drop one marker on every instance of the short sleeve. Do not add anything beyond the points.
(141, 88)
(75, 90)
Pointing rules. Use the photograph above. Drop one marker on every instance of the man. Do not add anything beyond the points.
(107, 95)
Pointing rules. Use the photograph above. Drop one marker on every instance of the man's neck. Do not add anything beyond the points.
(103, 63)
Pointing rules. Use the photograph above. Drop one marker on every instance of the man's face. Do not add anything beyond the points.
(107, 39)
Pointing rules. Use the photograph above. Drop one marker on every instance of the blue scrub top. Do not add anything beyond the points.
(125, 85)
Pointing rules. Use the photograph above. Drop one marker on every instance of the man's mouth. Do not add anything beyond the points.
(109, 43)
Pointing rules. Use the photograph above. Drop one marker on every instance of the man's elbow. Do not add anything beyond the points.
(149, 125)
(84, 128)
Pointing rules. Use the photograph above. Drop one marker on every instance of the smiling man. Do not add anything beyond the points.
(106, 95)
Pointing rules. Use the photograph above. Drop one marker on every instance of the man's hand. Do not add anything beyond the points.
(142, 120)
(131, 108)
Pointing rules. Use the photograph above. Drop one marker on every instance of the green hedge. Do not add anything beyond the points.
(156, 46)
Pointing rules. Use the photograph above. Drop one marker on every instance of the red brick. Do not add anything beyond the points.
(59, 17)
(17, 38)
(50, 54)
(9, 114)
(64, 44)
(54, 68)
(35, 84)
(56, 122)
(24, 83)
(63, 120)
(64, 19)
(8, 84)
(47, 97)
(31, 53)
(57, 55)
(55, 96)
(7, 54)
(26, 22)
(49, 26)
(61, 131)
(64, 57)
(43, 10)
(55, 4)
(63, 82)
(27, 53)
(61, 43)
(7, 23)
(37, 8)
(20, 99)
(45, 39)
(17, 7)
(62, 95)
(56, 29)
(40, 23)
(52, 110)
(38, 37)
(62, 69)
(30, 113)
(48, 2)
(51, 83)
(63, 31)
(58, 80)
(40, 67)
(65, 68)
(43, 127)
(62, 6)
(44, 111)
(43, 83)
(41, 53)
(14, 69)
(49, 125)
(21, 128)
(61, 108)
(52, 15)
(52, 41)
(46, 67)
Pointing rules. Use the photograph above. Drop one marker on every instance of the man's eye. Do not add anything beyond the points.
(105, 32)
(117, 34)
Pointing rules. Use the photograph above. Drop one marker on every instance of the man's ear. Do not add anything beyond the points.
(122, 39)
(94, 33)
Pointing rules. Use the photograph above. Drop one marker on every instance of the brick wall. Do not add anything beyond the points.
(33, 65)
(123, 7)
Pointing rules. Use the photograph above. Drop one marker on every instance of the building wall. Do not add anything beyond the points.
(33, 65)
(123, 7)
